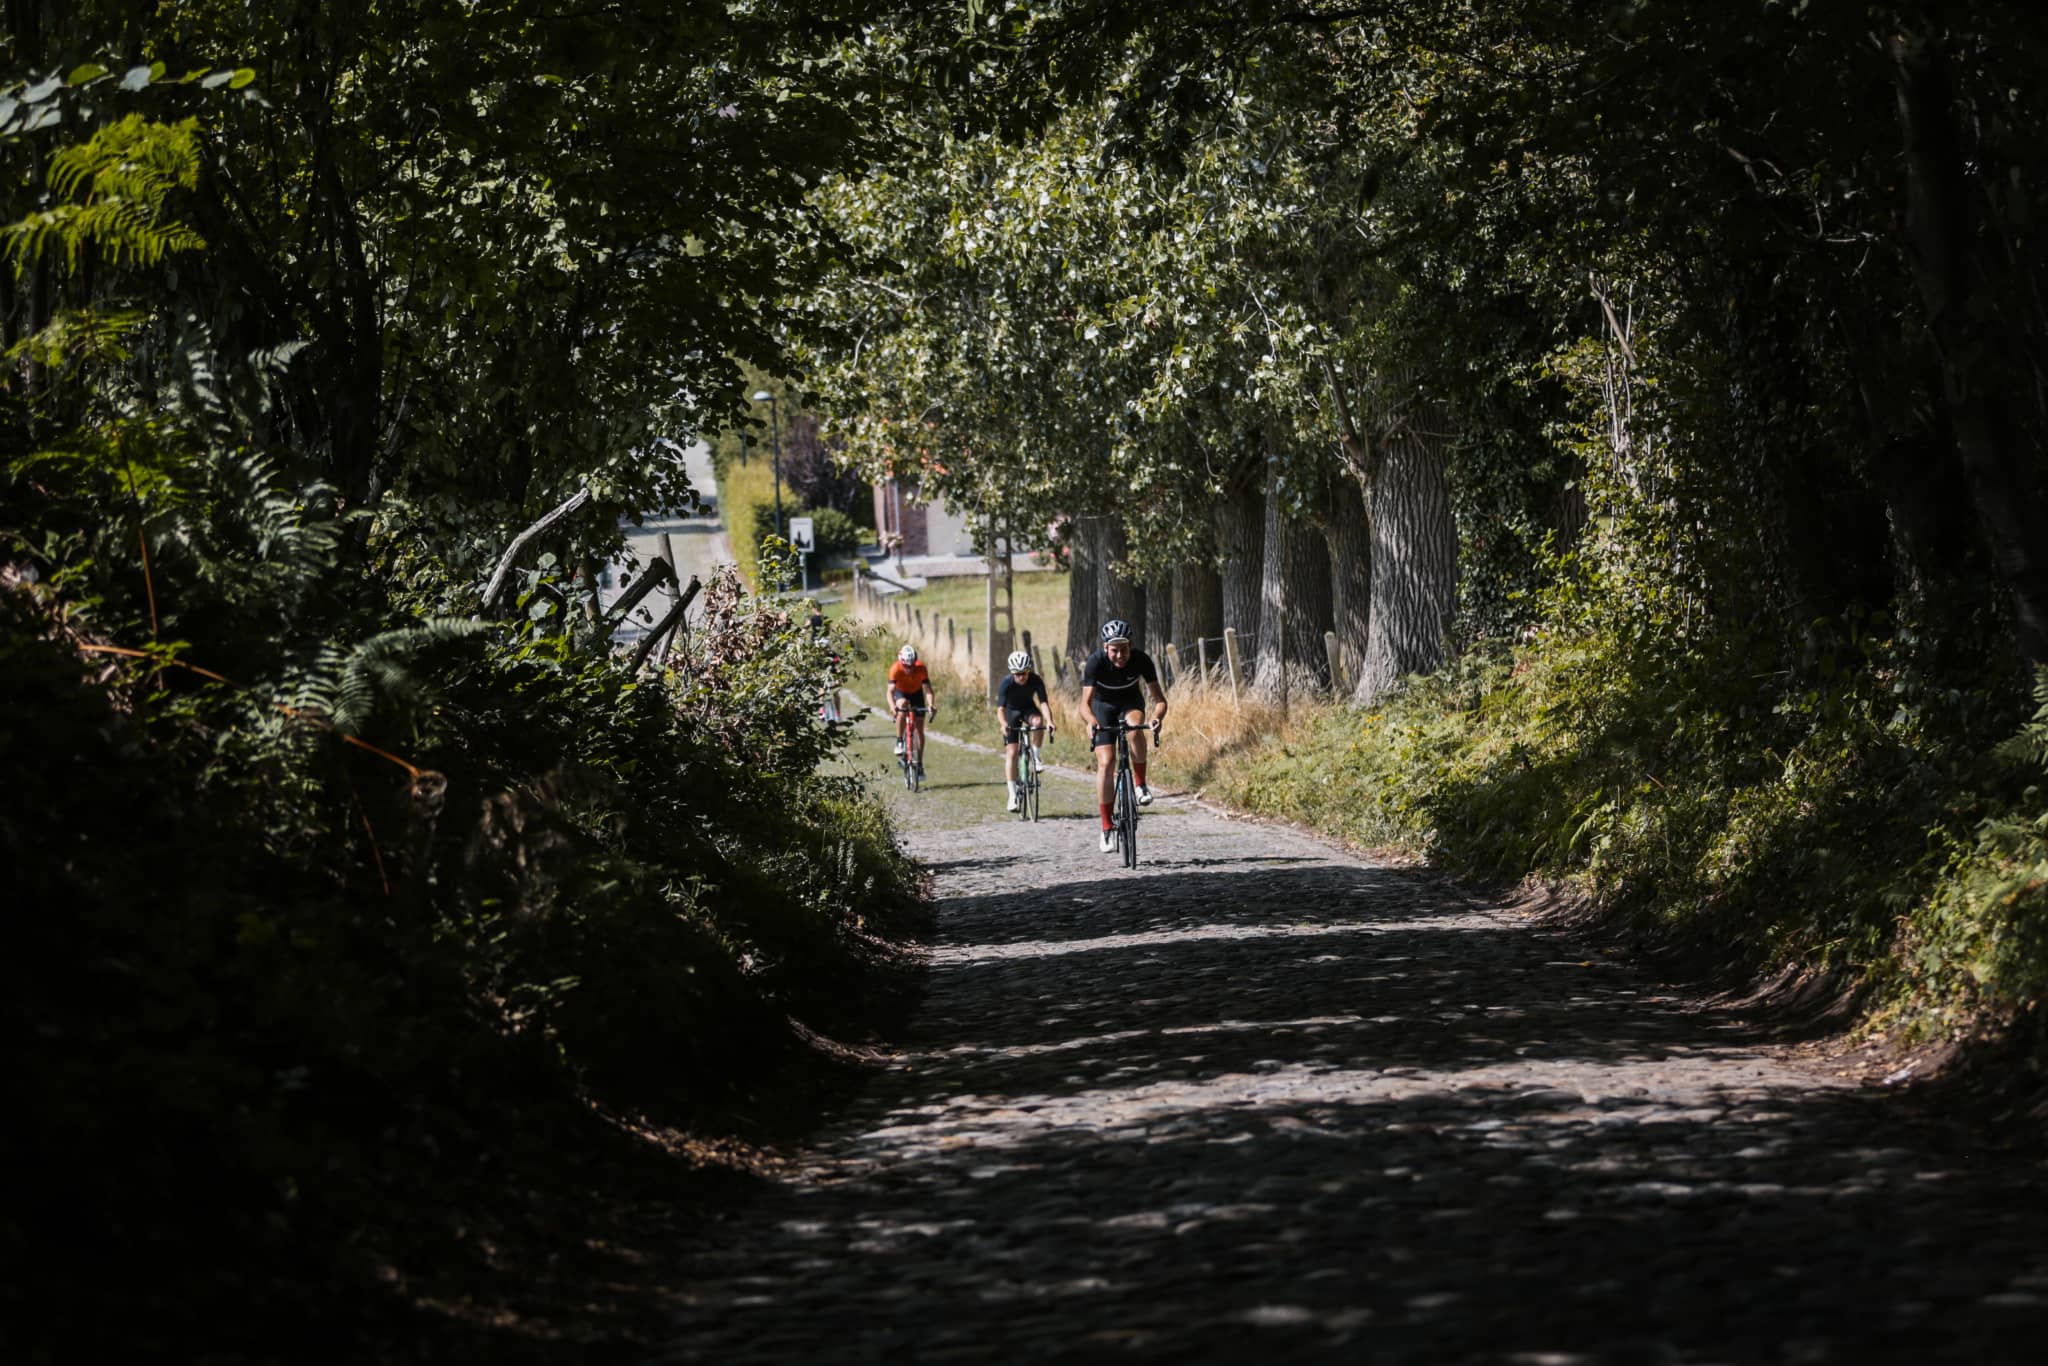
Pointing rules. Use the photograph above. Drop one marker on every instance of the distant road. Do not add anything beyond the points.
(700, 543)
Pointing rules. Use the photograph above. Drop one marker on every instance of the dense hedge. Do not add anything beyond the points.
(278, 987)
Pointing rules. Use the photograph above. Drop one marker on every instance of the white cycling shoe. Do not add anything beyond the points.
(1109, 841)
(901, 748)
(1014, 803)
(1144, 795)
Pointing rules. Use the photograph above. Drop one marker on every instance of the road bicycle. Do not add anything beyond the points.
(1124, 812)
(912, 757)
(1029, 767)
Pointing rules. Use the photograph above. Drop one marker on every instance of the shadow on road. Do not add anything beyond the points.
(1325, 1111)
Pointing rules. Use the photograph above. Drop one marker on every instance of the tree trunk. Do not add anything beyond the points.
(1161, 613)
(1117, 595)
(1269, 681)
(1197, 605)
(1309, 612)
(1414, 564)
(1350, 571)
(1240, 543)
(1084, 558)
(2011, 510)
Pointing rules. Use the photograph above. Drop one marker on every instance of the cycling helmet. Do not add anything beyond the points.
(908, 654)
(1115, 630)
(1019, 662)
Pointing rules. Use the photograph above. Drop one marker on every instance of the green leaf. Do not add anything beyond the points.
(243, 76)
(88, 71)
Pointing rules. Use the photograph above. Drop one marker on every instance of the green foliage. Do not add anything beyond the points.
(120, 183)
(345, 890)
(1744, 818)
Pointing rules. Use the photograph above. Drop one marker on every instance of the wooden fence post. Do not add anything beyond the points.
(1170, 665)
(1230, 663)
(1336, 658)
(1202, 658)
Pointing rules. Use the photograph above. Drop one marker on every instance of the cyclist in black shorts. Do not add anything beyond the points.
(1113, 687)
(1021, 705)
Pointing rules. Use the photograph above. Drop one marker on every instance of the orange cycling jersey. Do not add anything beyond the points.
(909, 679)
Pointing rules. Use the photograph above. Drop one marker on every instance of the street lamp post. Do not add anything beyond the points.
(775, 421)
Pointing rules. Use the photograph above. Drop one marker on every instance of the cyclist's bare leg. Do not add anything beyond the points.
(1010, 760)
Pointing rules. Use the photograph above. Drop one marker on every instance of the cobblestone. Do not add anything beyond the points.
(1257, 1100)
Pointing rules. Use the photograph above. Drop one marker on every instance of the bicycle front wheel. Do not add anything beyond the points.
(1127, 816)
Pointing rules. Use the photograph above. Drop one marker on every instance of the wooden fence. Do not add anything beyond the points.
(1215, 664)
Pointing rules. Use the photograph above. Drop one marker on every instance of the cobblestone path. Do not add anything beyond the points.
(1257, 1101)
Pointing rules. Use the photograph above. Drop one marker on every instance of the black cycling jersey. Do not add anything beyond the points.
(1020, 699)
(1119, 685)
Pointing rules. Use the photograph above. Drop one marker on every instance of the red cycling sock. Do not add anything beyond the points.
(1105, 815)
(1139, 770)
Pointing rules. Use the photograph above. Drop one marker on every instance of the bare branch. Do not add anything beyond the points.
(502, 575)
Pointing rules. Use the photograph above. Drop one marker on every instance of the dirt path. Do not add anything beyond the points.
(1261, 1101)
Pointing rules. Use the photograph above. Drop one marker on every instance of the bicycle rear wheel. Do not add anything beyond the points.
(1031, 786)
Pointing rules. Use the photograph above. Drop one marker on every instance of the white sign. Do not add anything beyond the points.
(801, 536)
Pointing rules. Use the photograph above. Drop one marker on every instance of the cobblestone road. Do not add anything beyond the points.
(1259, 1101)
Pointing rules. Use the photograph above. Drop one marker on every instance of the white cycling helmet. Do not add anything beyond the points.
(1019, 662)
(908, 654)
(1116, 629)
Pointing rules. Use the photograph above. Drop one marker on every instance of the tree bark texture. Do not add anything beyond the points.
(1414, 564)
(1999, 464)
(1240, 542)
(1197, 604)
(1350, 537)
(1117, 596)
(1309, 607)
(1161, 613)
(1084, 559)
(1269, 680)
(1294, 608)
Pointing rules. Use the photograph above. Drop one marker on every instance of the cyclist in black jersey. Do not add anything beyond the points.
(1114, 683)
(1021, 705)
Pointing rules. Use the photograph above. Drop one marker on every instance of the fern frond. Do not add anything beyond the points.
(385, 668)
(120, 182)
(2029, 748)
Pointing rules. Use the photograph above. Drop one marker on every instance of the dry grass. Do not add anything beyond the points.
(1204, 726)
(1041, 606)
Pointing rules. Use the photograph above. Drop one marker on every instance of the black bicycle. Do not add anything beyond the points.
(1124, 812)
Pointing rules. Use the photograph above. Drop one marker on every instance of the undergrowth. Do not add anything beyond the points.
(1856, 819)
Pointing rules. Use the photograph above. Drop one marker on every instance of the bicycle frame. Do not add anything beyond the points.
(1124, 790)
(1029, 766)
(910, 725)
